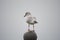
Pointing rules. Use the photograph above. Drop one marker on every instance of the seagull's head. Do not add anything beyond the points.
(27, 14)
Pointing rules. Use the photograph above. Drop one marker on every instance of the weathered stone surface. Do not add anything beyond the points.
(31, 35)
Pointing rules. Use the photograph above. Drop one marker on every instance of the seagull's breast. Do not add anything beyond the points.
(29, 19)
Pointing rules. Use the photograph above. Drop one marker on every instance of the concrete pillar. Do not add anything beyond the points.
(31, 35)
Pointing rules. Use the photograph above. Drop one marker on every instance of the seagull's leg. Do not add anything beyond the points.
(28, 27)
(33, 27)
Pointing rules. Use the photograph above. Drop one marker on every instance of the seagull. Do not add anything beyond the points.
(30, 20)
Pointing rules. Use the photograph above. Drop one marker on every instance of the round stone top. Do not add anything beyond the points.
(31, 35)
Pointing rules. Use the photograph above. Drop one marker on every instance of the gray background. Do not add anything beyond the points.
(13, 25)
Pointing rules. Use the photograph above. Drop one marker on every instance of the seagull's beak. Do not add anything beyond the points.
(24, 15)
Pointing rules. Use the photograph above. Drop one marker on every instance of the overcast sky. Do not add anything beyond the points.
(13, 25)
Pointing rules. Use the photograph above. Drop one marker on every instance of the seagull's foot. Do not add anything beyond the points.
(28, 30)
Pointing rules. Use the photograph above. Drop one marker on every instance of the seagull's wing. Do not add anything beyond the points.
(34, 18)
(30, 18)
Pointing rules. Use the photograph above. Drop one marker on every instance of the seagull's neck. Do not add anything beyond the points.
(29, 16)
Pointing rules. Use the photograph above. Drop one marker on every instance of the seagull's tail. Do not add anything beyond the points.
(35, 22)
